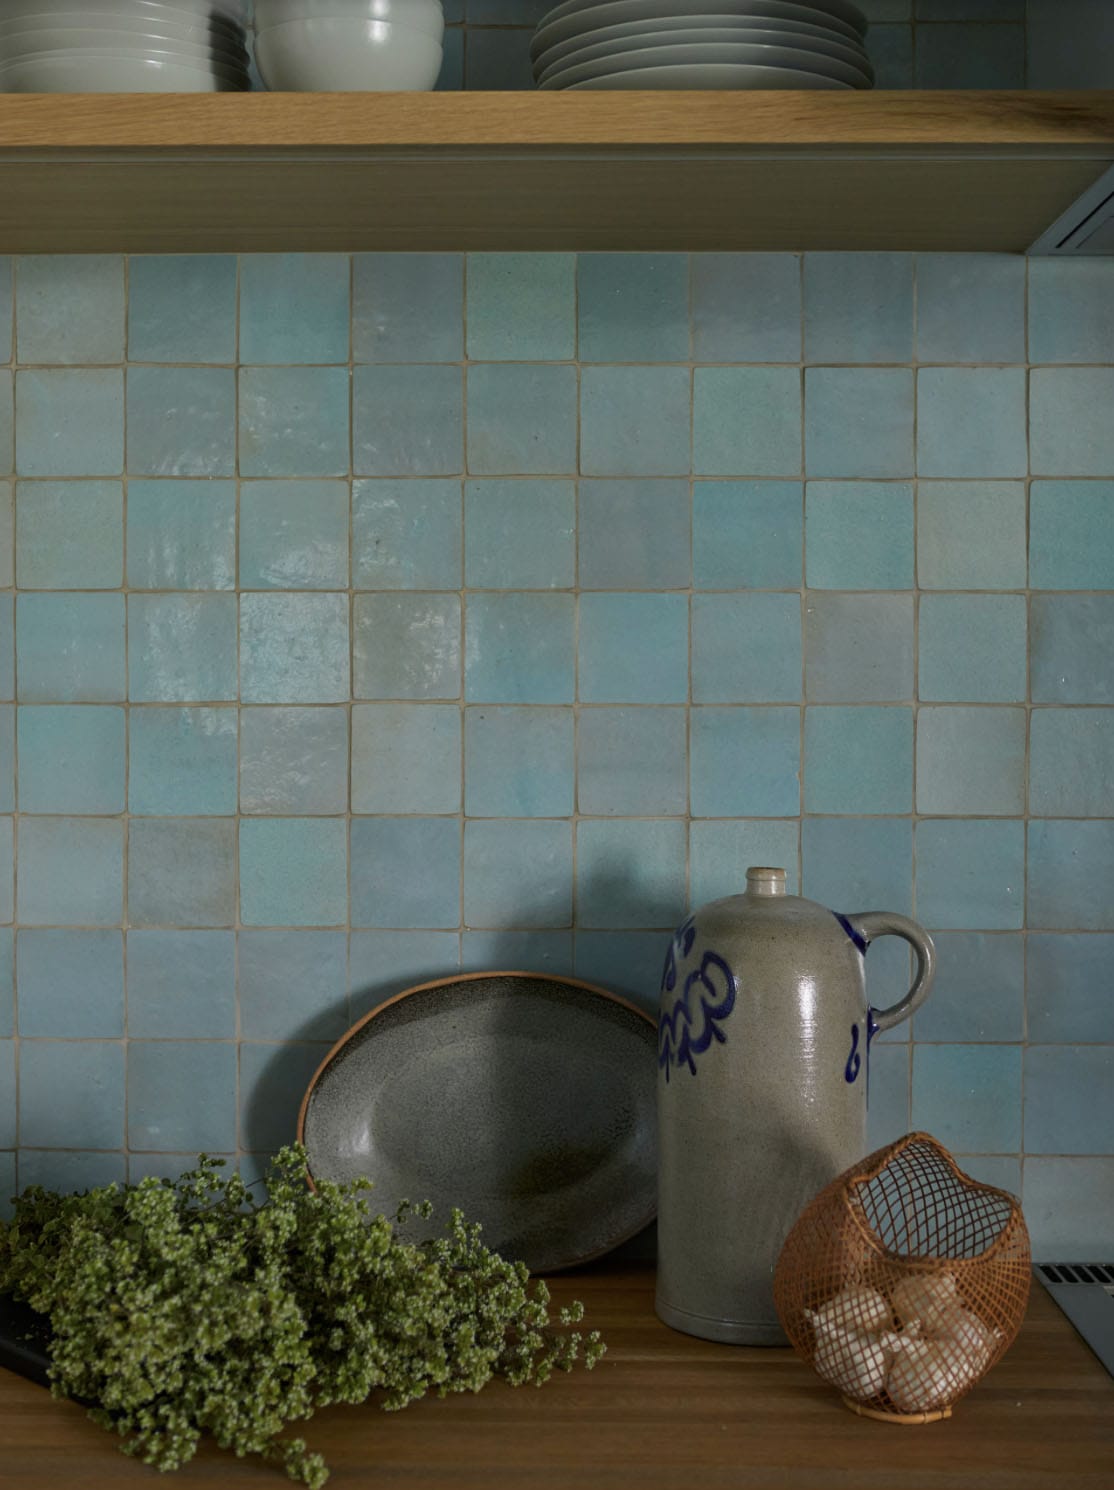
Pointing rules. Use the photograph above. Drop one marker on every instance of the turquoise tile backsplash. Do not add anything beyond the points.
(385, 615)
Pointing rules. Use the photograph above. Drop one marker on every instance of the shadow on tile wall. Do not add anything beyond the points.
(373, 618)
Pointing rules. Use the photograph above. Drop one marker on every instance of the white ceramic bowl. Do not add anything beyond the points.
(196, 54)
(194, 12)
(87, 72)
(115, 25)
(420, 15)
(330, 56)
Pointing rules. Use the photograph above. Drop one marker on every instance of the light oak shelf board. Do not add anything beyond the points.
(790, 171)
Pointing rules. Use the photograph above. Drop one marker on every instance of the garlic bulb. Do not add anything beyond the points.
(929, 1298)
(967, 1331)
(855, 1308)
(854, 1362)
(925, 1374)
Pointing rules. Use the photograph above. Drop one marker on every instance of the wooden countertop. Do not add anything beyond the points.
(661, 1412)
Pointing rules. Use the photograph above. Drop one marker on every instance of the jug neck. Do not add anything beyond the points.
(765, 882)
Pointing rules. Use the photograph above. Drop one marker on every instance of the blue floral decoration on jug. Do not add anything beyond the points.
(707, 998)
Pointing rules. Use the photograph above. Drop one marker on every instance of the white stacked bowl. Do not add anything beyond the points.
(345, 46)
(755, 44)
(122, 46)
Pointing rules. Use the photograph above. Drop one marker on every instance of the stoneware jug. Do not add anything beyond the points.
(763, 1068)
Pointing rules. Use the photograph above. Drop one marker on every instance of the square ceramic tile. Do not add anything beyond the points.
(7, 788)
(971, 421)
(522, 421)
(71, 984)
(294, 421)
(182, 762)
(745, 762)
(181, 421)
(979, 992)
(407, 421)
(635, 421)
(518, 874)
(181, 648)
(633, 307)
(859, 422)
(971, 535)
(630, 874)
(971, 761)
(294, 871)
(181, 535)
(1065, 48)
(746, 421)
(499, 60)
(519, 649)
(70, 308)
(7, 647)
(71, 871)
(1069, 1099)
(68, 1170)
(519, 534)
(632, 762)
(406, 758)
(294, 535)
(547, 952)
(384, 892)
(1071, 310)
(858, 648)
(7, 981)
(8, 1104)
(970, 874)
(273, 1081)
(634, 535)
(970, 10)
(7, 325)
(858, 759)
(1066, 997)
(408, 307)
(628, 963)
(293, 760)
(406, 534)
(71, 1091)
(70, 648)
(7, 875)
(970, 55)
(383, 963)
(633, 649)
(69, 535)
(181, 1095)
(746, 307)
(181, 872)
(1003, 1171)
(858, 863)
(294, 649)
(746, 649)
(69, 422)
(1069, 432)
(7, 422)
(1071, 535)
(72, 758)
(521, 307)
(720, 854)
(747, 535)
(1069, 1202)
(407, 646)
(966, 1096)
(972, 648)
(1071, 876)
(887, 1115)
(294, 307)
(970, 307)
(293, 984)
(1070, 642)
(182, 985)
(859, 535)
(451, 77)
(858, 307)
(518, 762)
(1071, 763)
(182, 308)
(7, 533)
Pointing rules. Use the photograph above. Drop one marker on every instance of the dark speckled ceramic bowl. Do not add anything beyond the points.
(527, 1101)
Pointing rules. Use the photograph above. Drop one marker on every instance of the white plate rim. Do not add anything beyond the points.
(835, 12)
(820, 82)
(810, 62)
(653, 40)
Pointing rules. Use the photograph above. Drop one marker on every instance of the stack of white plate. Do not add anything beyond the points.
(122, 46)
(702, 44)
(331, 46)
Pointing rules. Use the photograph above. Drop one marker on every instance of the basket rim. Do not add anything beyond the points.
(885, 1156)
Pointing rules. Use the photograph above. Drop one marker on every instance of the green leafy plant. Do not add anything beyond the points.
(185, 1307)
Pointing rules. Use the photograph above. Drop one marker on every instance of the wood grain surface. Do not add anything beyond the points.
(661, 1412)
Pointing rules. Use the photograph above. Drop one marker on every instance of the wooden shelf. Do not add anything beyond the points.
(237, 172)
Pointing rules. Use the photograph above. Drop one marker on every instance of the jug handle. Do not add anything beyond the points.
(867, 925)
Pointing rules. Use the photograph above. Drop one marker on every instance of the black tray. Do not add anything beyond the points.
(24, 1340)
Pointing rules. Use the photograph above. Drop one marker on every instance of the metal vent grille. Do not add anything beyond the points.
(1077, 1272)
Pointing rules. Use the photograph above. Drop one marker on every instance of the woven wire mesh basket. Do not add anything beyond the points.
(904, 1281)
